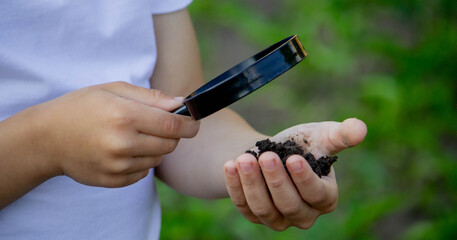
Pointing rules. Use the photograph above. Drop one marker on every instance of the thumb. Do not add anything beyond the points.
(349, 133)
(147, 96)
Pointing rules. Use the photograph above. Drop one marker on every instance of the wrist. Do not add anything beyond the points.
(40, 131)
(23, 166)
(26, 134)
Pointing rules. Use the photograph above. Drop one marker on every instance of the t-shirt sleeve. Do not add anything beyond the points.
(167, 6)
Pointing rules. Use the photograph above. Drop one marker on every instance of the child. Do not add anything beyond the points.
(85, 128)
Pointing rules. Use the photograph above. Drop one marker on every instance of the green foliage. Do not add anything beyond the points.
(390, 63)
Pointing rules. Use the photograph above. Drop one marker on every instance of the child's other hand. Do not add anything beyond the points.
(109, 135)
(264, 193)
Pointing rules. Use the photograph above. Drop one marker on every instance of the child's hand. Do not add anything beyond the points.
(296, 203)
(111, 134)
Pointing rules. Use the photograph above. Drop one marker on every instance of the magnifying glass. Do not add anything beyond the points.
(243, 79)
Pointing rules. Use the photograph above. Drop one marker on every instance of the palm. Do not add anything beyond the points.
(264, 193)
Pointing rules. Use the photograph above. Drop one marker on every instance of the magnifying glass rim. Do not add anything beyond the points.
(216, 82)
(244, 78)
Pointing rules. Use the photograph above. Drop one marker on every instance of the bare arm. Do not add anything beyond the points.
(196, 166)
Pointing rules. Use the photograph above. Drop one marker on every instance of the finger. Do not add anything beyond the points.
(150, 97)
(125, 166)
(256, 193)
(235, 191)
(285, 196)
(139, 164)
(151, 113)
(321, 194)
(349, 133)
(150, 146)
(122, 180)
(136, 176)
(157, 122)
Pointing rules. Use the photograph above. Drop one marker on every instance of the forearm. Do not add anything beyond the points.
(196, 167)
(21, 168)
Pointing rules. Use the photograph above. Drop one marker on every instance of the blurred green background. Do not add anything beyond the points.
(390, 63)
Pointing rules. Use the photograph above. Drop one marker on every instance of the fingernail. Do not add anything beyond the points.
(246, 167)
(296, 166)
(268, 164)
(231, 170)
(179, 99)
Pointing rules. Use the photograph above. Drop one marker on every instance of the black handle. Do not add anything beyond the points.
(182, 111)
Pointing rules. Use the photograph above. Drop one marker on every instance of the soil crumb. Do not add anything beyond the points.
(321, 166)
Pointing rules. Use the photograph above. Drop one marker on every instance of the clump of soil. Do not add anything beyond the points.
(321, 166)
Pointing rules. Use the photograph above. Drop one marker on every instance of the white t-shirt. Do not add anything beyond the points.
(49, 48)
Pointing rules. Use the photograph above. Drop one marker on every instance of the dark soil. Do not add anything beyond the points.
(321, 166)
